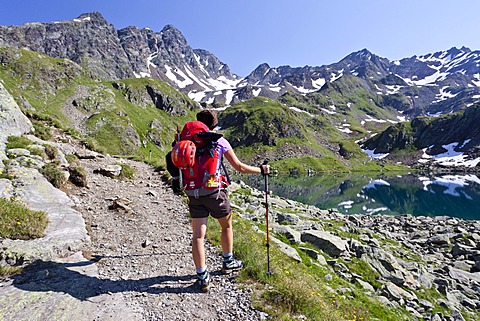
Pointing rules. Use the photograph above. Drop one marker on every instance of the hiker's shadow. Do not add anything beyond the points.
(80, 280)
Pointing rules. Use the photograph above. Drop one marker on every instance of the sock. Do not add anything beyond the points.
(227, 256)
(201, 270)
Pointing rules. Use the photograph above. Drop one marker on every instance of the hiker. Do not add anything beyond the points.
(216, 204)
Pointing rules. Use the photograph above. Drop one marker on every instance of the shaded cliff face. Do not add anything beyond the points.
(454, 134)
(88, 40)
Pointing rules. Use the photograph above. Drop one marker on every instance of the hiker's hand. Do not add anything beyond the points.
(265, 169)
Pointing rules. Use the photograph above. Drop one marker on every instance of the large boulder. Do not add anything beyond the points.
(12, 121)
(328, 243)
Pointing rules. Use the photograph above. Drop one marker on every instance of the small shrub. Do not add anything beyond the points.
(93, 145)
(71, 159)
(127, 172)
(42, 131)
(4, 174)
(54, 174)
(51, 151)
(38, 151)
(72, 132)
(78, 176)
(10, 270)
(18, 142)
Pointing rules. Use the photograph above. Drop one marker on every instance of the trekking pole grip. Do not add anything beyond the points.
(265, 162)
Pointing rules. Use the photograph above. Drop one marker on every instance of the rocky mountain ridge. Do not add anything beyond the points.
(434, 83)
(92, 42)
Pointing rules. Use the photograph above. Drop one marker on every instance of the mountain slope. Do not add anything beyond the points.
(435, 83)
(93, 43)
(124, 117)
(452, 139)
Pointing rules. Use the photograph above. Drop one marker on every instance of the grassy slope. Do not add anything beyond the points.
(266, 123)
(46, 87)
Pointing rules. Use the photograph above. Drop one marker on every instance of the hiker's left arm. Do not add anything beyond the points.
(238, 165)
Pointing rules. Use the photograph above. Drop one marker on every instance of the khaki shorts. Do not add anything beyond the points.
(216, 204)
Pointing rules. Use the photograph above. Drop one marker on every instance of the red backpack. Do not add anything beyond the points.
(198, 160)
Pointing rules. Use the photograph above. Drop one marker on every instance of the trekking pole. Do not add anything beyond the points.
(180, 175)
(269, 272)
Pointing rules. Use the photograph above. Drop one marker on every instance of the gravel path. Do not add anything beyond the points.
(143, 249)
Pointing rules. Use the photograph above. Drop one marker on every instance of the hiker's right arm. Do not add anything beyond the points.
(241, 167)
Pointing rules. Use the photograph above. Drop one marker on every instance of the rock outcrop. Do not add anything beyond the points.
(12, 121)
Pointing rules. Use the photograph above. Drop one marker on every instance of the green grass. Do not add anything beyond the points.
(18, 222)
(127, 172)
(10, 270)
(18, 142)
(302, 165)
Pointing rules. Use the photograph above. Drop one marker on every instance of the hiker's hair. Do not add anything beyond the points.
(208, 117)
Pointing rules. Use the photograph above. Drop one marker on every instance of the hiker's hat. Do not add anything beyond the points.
(208, 117)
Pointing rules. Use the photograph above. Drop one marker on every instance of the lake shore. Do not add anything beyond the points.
(412, 255)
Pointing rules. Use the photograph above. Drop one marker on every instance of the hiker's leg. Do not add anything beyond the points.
(227, 233)
(199, 228)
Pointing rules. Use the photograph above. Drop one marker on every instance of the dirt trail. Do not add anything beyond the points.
(137, 266)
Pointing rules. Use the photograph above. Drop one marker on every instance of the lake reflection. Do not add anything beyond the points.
(434, 195)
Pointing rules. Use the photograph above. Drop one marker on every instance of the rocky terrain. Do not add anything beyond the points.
(113, 250)
(120, 249)
(135, 263)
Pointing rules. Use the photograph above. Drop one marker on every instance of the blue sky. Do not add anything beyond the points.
(246, 33)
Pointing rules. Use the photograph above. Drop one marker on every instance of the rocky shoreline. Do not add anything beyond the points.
(412, 254)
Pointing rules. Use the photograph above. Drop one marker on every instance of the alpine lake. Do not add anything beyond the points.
(455, 195)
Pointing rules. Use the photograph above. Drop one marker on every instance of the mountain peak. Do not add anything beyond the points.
(171, 32)
(170, 28)
(455, 51)
(260, 71)
(363, 55)
(95, 17)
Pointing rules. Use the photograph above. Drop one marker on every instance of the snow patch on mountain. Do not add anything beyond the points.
(172, 75)
(336, 75)
(301, 111)
(83, 19)
(444, 94)
(372, 154)
(476, 82)
(451, 157)
(318, 83)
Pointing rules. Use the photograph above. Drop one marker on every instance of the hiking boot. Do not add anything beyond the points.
(231, 264)
(203, 280)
